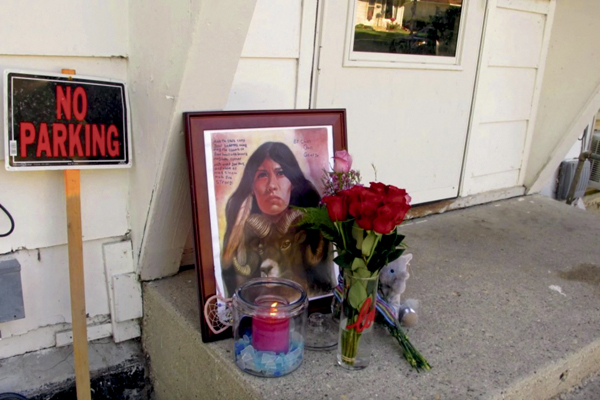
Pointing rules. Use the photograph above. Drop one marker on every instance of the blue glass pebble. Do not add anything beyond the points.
(267, 363)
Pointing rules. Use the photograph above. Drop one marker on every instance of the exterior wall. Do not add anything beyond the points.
(183, 57)
(570, 92)
(274, 68)
(164, 53)
(160, 36)
(507, 93)
(63, 28)
(48, 36)
(266, 74)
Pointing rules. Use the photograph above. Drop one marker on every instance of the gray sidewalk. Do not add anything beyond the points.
(509, 298)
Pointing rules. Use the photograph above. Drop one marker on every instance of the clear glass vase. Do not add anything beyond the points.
(356, 321)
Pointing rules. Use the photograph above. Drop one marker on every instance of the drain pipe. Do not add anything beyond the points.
(582, 157)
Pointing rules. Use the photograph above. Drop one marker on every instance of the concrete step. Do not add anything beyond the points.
(509, 309)
(117, 371)
(588, 390)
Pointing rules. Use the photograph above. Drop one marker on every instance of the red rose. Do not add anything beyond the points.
(353, 198)
(399, 200)
(384, 222)
(378, 187)
(337, 207)
(394, 194)
(368, 211)
(363, 204)
(379, 207)
(400, 211)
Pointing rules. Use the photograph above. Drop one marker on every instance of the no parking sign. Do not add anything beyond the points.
(60, 122)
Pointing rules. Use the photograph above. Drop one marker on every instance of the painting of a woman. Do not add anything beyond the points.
(261, 238)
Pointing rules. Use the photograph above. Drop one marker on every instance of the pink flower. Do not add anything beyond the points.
(342, 161)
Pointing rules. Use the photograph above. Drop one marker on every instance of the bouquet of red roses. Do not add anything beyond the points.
(362, 223)
(365, 221)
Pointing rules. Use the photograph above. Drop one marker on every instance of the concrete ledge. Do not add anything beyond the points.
(559, 376)
(182, 366)
(510, 309)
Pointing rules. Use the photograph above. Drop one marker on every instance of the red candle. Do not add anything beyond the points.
(271, 331)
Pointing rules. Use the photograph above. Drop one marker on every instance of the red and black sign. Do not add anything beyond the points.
(61, 122)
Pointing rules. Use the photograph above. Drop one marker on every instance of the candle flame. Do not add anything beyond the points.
(274, 305)
(273, 309)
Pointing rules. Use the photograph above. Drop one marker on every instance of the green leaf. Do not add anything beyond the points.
(356, 295)
(394, 255)
(369, 243)
(344, 259)
(358, 234)
(330, 235)
(358, 263)
(315, 218)
(399, 239)
(361, 272)
(388, 241)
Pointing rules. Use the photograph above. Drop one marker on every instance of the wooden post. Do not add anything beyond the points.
(78, 314)
(76, 280)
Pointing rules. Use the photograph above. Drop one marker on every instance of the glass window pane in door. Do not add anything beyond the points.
(422, 27)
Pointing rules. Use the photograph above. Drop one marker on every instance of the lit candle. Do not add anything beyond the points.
(271, 330)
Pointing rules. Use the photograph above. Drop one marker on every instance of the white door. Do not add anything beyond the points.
(408, 114)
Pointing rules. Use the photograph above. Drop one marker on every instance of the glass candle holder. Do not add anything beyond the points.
(269, 320)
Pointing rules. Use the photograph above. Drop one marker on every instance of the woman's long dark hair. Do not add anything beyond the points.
(303, 193)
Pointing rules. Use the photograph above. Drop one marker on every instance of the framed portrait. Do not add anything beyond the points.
(250, 172)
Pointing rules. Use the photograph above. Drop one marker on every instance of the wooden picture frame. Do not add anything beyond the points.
(226, 153)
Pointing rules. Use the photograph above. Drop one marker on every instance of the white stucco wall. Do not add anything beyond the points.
(183, 57)
(160, 36)
(174, 57)
(571, 83)
(267, 72)
(90, 37)
(72, 28)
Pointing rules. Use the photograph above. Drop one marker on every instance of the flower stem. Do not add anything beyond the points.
(350, 339)
(377, 239)
(411, 354)
(339, 228)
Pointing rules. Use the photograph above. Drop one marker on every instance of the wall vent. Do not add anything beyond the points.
(11, 292)
(595, 165)
(566, 174)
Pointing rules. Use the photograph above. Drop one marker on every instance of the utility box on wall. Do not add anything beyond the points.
(11, 291)
(566, 175)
